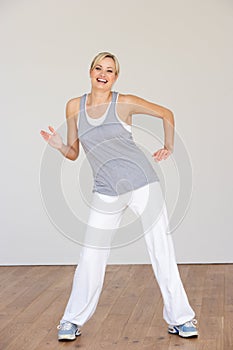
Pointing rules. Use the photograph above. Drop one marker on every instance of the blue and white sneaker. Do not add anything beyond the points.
(68, 331)
(186, 330)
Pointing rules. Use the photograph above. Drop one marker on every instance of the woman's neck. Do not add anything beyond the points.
(99, 97)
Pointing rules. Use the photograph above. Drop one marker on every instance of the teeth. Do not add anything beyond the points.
(102, 80)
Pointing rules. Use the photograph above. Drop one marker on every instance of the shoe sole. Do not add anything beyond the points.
(66, 337)
(185, 334)
(188, 335)
(69, 336)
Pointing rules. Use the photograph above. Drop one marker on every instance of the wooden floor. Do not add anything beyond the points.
(129, 313)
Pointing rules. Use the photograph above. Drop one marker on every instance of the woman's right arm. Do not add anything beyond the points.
(71, 150)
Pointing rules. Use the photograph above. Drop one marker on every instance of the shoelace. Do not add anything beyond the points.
(65, 326)
(191, 323)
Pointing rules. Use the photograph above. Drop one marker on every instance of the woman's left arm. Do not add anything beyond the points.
(138, 105)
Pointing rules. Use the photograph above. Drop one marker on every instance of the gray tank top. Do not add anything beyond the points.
(118, 164)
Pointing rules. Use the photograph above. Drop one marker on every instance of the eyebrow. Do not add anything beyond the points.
(102, 66)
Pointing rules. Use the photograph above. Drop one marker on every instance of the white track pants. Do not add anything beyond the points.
(147, 202)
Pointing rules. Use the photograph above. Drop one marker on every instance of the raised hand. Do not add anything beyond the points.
(53, 139)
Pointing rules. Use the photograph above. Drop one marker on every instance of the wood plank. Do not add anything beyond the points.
(194, 286)
(212, 311)
(19, 284)
(184, 271)
(6, 273)
(228, 308)
(157, 334)
(213, 291)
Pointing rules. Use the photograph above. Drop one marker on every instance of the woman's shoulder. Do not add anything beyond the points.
(73, 102)
(126, 98)
(73, 106)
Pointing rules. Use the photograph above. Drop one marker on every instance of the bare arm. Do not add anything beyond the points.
(137, 105)
(71, 150)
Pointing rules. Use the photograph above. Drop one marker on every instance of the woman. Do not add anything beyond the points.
(123, 176)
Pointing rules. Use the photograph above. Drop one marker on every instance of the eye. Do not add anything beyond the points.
(97, 68)
(109, 71)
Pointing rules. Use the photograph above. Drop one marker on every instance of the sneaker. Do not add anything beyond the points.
(185, 330)
(68, 331)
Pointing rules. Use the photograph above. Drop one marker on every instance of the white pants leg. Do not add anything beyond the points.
(149, 203)
(104, 219)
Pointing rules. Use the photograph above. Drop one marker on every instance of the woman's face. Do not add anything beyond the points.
(103, 75)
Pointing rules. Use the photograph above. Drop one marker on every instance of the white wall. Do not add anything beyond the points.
(176, 53)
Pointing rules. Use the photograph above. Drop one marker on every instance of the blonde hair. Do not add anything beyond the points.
(103, 55)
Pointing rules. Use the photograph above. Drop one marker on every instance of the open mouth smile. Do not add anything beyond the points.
(104, 81)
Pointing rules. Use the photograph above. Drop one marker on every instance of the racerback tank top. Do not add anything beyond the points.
(117, 163)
